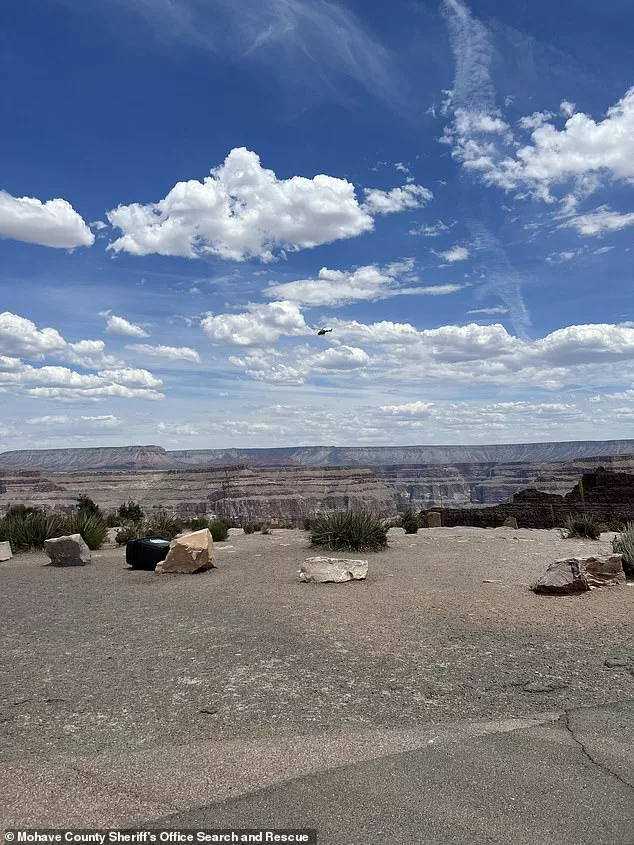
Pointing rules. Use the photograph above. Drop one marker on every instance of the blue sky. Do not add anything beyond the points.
(192, 188)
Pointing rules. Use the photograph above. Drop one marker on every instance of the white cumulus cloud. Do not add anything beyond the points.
(396, 199)
(119, 325)
(364, 284)
(171, 353)
(54, 223)
(21, 337)
(241, 211)
(454, 254)
(259, 325)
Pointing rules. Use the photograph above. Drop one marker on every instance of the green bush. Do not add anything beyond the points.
(582, 526)
(624, 545)
(265, 528)
(112, 519)
(251, 527)
(91, 526)
(197, 523)
(166, 527)
(357, 531)
(163, 525)
(85, 504)
(409, 521)
(29, 530)
(219, 530)
(131, 512)
(131, 531)
(22, 510)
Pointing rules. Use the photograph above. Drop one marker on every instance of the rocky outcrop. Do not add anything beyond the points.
(70, 550)
(606, 496)
(579, 575)
(337, 570)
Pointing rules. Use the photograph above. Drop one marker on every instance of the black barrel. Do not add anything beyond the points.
(146, 553)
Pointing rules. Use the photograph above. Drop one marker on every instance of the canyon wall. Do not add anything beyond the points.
(287, 495)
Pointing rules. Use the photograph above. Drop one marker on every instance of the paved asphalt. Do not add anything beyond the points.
(568, 782)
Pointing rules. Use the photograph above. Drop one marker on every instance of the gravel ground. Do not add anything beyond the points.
(102, 658)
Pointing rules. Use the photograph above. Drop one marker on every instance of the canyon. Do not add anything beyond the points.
(272, 485)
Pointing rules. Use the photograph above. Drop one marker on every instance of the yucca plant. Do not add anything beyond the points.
(357, 531)
(624, 545)
(582, 526)
(162, 525)
(30, 530)
(91, 526)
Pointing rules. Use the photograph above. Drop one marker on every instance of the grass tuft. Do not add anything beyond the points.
(583, 527)
(624, 545)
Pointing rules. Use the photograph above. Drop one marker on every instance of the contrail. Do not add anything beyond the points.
(471, 45)
(474, 94)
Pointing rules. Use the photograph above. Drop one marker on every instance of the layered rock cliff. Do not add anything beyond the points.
(605, 495)
(286, 495)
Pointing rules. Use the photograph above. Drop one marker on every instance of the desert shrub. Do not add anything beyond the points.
(197, 523)
(308, 523)
(112, 519)
(163, 525)
(130, 512)
(21, 511)
(219, 530)
(616, 525)
(265, 528)
(624, 545)
(357, 531)
(90, 525)
(131, 531)
(160, 525)
(29, 530)
(84, 504)
(251, 527)
(409, 521)
(582, 526)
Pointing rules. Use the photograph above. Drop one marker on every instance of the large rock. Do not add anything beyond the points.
(578, 575)
(322, 570)
(189, 553)
(5, 551)
(69, 550)
(510, 522)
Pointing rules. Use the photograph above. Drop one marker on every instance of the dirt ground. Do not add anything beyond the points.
(103, 658)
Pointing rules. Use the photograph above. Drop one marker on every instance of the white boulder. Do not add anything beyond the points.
(189, 553)
(69, 550)
(5, 551)
(322, 570)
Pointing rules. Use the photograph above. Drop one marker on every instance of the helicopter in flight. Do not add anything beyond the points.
(323, 331)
